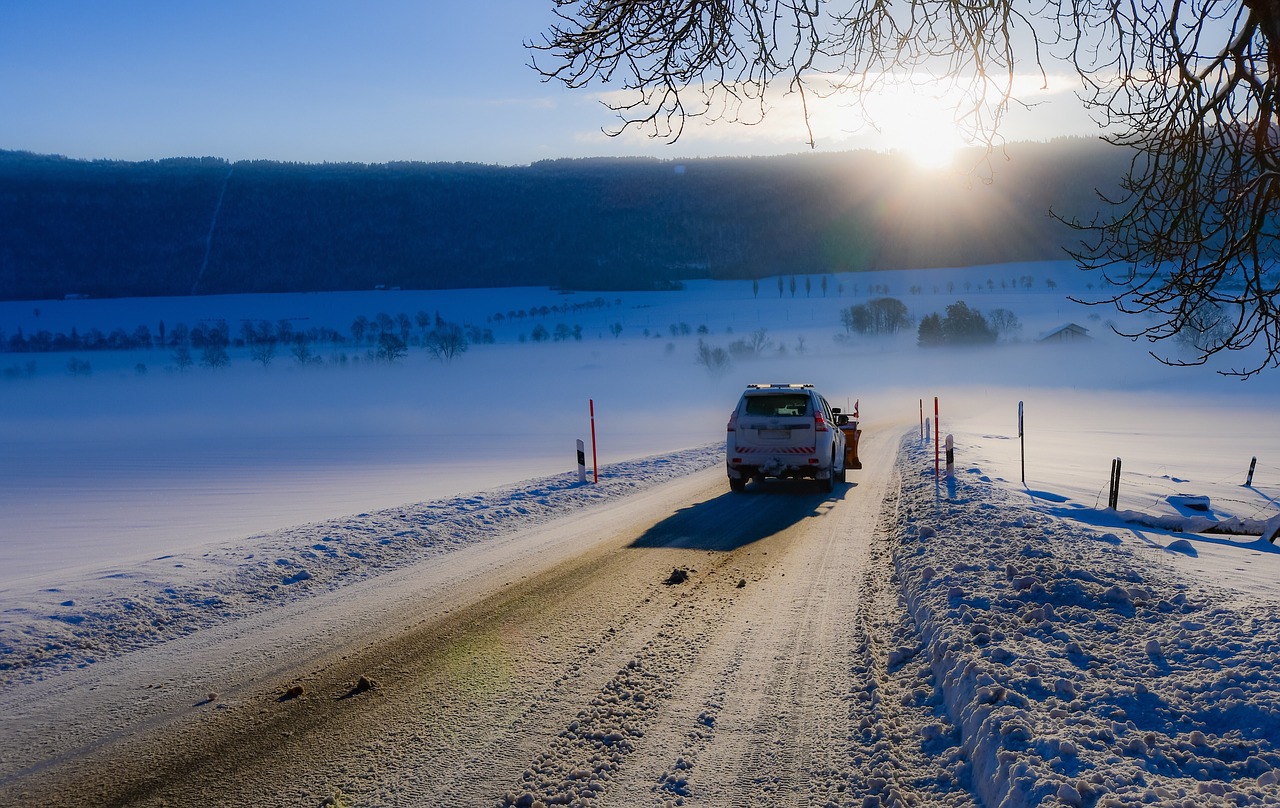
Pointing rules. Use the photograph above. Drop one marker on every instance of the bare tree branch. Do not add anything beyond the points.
(1189, 85)
(1191, 243)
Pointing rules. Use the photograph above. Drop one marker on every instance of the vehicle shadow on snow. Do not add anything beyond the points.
(731, 521)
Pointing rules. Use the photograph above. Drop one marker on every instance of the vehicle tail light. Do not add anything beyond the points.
(819, 423)
(733, 421)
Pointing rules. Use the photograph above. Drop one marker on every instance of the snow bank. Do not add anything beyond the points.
(1078, 672)
(122, 609)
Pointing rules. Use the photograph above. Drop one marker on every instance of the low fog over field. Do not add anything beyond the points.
(156, 459)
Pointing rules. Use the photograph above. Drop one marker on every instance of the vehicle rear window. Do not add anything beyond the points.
(778, 405)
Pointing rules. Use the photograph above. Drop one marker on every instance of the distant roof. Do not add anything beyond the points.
(1070, 330)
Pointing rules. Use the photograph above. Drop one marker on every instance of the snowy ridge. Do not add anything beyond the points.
(1077, 672)
(1234, 525)
(120, 610)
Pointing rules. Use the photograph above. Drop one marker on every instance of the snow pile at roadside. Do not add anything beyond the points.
(1077, 672)
(119, 610)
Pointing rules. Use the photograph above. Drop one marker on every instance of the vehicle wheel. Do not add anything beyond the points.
(828, 485)
(738, 484)
(840, 475)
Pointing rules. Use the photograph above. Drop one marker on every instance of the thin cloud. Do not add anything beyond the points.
(1044, 106)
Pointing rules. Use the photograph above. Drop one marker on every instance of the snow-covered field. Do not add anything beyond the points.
(1088, 655)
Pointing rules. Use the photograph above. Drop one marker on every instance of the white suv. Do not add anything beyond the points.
(785, 430)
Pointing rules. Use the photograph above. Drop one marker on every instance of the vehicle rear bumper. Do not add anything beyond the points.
(777, 467)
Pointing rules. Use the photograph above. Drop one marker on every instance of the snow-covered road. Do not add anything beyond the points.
(901, 642)
(553, 662)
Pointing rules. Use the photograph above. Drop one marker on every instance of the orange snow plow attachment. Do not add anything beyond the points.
(851, 432)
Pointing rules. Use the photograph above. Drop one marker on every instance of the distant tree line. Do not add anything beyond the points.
(208, 226)
(545, 310)
(143, 338)
(717, 360)
(962, 325)
(385, 336)
(884, 315)
(262, 337)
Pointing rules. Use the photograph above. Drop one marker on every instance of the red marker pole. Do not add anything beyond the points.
(595, 467)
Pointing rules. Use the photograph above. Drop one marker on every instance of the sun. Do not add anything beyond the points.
(929, 148)
(918, 126)
(927, 137)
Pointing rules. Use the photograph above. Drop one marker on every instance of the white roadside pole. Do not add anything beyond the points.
(582, 461)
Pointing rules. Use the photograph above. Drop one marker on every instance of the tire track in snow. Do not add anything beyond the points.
(573, 732)
(817, 703)
(583, 762)
(762, 718)
(781, 739)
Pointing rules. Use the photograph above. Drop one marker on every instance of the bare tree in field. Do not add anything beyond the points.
(446, 341)
(182, 358)
(390, 347)
(1190, 86)
(301, 350)
(263, 351)
(712, 357)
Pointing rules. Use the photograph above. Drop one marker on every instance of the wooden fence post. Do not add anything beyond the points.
(1022, 446)
(1113, 496)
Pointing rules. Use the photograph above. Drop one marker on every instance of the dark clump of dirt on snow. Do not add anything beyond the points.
(678, 576)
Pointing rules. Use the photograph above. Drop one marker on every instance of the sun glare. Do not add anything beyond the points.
(918, 126)
(930, 149)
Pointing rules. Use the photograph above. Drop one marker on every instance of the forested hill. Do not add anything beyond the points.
(207, 226)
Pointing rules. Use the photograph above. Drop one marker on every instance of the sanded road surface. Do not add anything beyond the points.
(685, 646)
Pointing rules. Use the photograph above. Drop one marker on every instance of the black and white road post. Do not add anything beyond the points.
(951, 457)
(1248, 483)
(1022, 445)
(582, 461)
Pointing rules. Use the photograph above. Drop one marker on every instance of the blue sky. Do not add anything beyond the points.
(321, 80)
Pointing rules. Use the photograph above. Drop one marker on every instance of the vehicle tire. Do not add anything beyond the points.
(841, 475)
(738, 484)
(828, 485)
